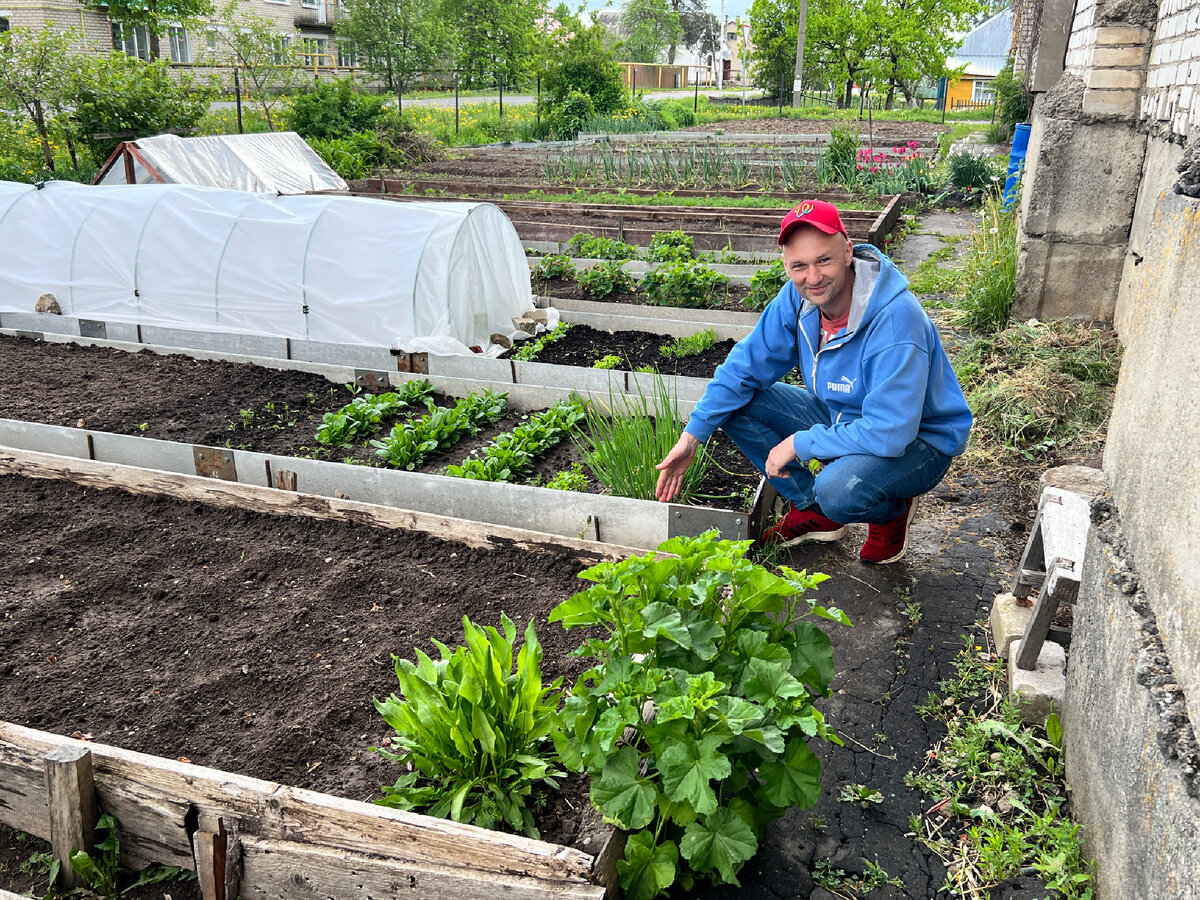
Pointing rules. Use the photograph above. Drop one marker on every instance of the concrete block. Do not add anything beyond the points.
(1121, 35)
(1057, 279)
(1119, 57)
(1008, 621)
(521, 323)
(538, 315)
(1043, 689)
(1110, 102)
(1119, 79)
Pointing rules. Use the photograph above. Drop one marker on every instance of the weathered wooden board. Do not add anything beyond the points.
(294, 871)
(227, 494)
(152, 798)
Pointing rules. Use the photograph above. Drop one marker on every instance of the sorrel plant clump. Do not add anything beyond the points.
(478, 734)
(691, 284)
(711, 663)
(410, 443)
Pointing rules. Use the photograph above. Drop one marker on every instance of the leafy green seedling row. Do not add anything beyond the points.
(529, 350)
(410, 443)
(691, 345)
(512, 455)
(362, 416)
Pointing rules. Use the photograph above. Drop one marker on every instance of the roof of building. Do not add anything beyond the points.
(985, 47)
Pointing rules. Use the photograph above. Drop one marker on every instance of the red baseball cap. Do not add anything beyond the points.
(817, 213)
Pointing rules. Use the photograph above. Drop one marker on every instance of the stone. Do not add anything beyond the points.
(48, 303)
(501, 339)
(1008, 621)
(525, 324)
(1042, 690)
(538, 315)
(1110, 103)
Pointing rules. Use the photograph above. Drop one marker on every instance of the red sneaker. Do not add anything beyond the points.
(801, 525)
(888, 542)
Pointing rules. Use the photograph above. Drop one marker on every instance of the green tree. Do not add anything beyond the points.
(265, 60)
(916, 36)
(117, 93)
(36, 77)
(583, 63)
(156, 16)
(773, 25)
(494, 38)
(841, 43)
(649, 27)
(694, 25)
(397, 39)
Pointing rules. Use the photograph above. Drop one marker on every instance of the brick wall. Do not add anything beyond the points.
(1172, 94)
(1083, 36)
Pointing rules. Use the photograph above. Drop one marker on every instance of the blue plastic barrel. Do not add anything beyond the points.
(1016, 162)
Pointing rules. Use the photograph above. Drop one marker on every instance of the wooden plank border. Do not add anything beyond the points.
(885, 222)
(294, 842)
(231, 494)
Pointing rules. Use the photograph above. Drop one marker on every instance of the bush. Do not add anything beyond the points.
(119, 93)
(1012, 103)
(334, 109)
(568, 117)
(839, 161)
(586, 246)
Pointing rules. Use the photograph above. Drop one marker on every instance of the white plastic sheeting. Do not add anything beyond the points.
(279, 161)
(434, 277)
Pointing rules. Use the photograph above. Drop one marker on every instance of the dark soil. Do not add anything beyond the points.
(247, 642)
(730, 297)
(583, 346)
(234, 405)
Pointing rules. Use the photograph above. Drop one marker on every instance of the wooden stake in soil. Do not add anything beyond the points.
(71, 792)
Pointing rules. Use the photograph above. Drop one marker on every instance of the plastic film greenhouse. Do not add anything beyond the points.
(415, 276)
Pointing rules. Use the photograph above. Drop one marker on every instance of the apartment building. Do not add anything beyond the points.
(306, 23)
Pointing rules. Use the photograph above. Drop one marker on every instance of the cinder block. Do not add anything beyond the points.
(1109, 103)
(1121, 35)
(1008, 621)
(1120, 57)
(1120, 79)
(1041, 690)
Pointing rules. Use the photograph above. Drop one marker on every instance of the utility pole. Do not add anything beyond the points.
(798, 78)
(721, 49)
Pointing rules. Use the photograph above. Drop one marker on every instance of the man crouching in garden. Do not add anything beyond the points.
(881, 409)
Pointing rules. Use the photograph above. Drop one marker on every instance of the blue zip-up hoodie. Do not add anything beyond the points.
(885, 376)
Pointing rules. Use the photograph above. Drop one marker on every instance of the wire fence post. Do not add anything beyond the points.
(502, 95)
(539, 100)
(696, 98)
(633, 76)
(782, 86)
(456, 104)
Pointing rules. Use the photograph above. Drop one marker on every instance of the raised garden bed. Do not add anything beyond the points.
(253, 644)
(108, 421)
(714, 228)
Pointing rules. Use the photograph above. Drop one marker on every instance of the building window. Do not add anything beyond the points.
(314, 51)
(281, 2)
(4, 26)
(210, 39)
(134, 40)
(180, 51)
(982, 91)
(310, 4)
(282, 42)
(346, 54)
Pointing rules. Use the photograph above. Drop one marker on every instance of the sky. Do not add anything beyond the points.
(733, 8)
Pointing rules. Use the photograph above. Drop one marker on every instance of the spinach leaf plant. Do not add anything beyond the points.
(477, 733)
(694, 723)
(363, 416)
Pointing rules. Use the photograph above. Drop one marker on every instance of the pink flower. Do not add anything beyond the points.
(874, 169)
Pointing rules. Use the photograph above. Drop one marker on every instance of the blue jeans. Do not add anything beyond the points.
(856, 488)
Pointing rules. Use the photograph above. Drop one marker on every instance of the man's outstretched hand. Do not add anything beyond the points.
(674, 466)
(781, 455)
